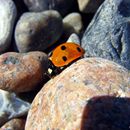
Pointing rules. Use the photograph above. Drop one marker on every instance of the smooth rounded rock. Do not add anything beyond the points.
(21, 72)
(72, 23)
(62, 6)
(74, 38)
(38, 31)
(14, 124)
(89, 6)
(8, 14)
(107, 35)
(61, 102)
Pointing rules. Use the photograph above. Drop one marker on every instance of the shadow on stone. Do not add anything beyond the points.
(106, 113)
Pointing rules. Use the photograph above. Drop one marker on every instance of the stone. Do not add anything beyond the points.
(106, 113)
(89, 6)
(22, 72)
(11, 106)
(74, 38)
(107, 35)
(72, 23)
(8, 15)
(14, 124)
(38, 31)
(62, 6)
(61, 102)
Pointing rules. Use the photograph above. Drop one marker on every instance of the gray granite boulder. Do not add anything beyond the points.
(62, 6)
(8, 14)
(38, 31)
(108, 34)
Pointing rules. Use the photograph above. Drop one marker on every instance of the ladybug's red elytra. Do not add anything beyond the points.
(64, 54)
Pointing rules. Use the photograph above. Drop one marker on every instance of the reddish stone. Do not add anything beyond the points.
(61, 102)
(21, 72)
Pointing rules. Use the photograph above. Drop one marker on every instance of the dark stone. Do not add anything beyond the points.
(107, 36)
(63, 6)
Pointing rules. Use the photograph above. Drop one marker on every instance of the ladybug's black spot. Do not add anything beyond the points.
(79, 50)
(64, 58)
(63, 47)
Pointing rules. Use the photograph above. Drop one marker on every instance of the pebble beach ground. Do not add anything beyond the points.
(91, 93)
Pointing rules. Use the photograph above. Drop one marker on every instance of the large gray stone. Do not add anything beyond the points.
(7, 18)
(38, 31)
(108, 34)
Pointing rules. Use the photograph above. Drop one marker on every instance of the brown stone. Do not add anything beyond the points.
(61, 102)
(21, 72)
(14, 124)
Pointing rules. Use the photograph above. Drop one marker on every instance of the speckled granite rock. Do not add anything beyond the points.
(107, 35)
(62, 6)
(7, 18)
(89, 6)
(11, 106)
(22, 72)
(61, 102)
(38, 31)
(72, 23)
(14, 124)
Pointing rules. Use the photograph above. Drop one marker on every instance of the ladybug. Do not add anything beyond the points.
(64, 54)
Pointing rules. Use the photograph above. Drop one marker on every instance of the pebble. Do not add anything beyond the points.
(74, 38)
(89, 6)
(107, 35)
(62, 6)
(21, 72)
(38, 31)
(72, 23)
(8, 14)
(14, 124)
(11, 106)
(62, 100)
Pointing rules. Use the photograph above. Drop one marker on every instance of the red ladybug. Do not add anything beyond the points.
(65, 53)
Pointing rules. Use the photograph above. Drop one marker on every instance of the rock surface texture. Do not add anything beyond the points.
(38, 31)
(61, 102)
(21, 72)
(8, 14)
(107, 35)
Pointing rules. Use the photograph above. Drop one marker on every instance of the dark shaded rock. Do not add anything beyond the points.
(106, 113)
(107, 36)
(38, 31)
(62, 6)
